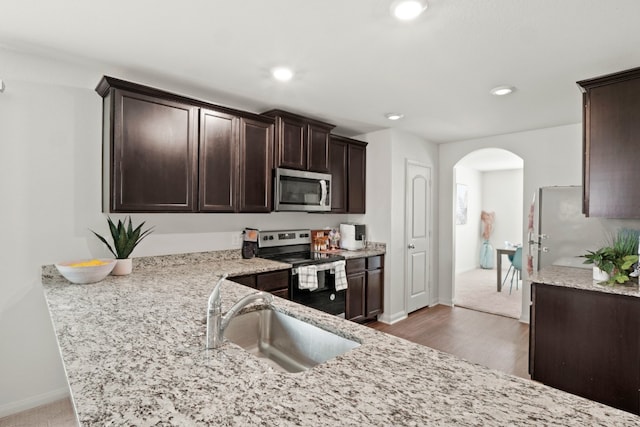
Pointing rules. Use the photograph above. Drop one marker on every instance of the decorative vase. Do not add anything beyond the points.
(123, 267)
(598, 275)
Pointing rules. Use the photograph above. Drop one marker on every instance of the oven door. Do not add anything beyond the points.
(302, 191)
(324, 298)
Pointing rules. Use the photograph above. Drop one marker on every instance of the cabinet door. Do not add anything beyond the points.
(317, 148)
(153, 155)
(273, 281)
(218, 161)
(613, 123)
(375, 288)
(292, 144)
(355, 305)
(587, 343)
(248, 280)
(357, 179)
(256, 160)
(338, 154)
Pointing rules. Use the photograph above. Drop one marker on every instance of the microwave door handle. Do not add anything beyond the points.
(323, 187)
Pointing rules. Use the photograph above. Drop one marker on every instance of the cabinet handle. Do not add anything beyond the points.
(411, 246)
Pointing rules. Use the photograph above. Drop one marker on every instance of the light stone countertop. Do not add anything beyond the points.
(371, 250)
(581, 278)
(133, 350)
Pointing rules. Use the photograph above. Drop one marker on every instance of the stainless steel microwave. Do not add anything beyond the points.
(302, 191)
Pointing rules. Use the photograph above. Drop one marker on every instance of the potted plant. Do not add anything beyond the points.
(125, 239)
(612, 264)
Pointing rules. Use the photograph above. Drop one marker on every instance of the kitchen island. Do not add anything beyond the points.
(133, 350)
(585, 336)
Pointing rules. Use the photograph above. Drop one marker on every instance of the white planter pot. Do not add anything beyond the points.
(598, 275)
(123, 267)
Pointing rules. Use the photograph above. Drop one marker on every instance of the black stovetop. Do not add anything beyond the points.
(297, 256)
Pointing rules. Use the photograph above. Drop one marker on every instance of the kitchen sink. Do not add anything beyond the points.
(287, 343)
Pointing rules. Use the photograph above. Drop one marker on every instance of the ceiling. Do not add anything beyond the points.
(353, 62)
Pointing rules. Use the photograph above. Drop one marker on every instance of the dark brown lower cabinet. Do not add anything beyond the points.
(275, 282)
(586, 343)
(356, 296)
(365, 292)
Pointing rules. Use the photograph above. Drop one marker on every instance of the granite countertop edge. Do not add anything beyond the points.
(581, 278)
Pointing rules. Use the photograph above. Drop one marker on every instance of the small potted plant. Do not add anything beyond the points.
(125, 239)
(612, 264)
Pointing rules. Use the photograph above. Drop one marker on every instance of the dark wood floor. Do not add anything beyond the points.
(498, 342)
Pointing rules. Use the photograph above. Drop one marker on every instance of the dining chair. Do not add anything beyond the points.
(514, 268)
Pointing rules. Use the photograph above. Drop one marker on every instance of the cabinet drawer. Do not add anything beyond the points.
(355, 265)
(248, 280)
(273, 281)
(374, 262)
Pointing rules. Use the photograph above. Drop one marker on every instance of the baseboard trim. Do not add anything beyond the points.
(394, 318)
(33, 401)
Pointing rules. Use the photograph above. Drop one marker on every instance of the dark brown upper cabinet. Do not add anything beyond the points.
(150, 152)
(218, 161)
(167, 153)
(347, 165)
(301, 143)
(235, 163)
(611, 125)
(256, 163)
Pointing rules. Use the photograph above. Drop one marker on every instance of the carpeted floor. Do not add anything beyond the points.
(476, 289)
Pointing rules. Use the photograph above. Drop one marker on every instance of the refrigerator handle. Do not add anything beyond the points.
(537, 244)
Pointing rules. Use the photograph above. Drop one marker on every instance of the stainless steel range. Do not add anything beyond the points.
(294, 247)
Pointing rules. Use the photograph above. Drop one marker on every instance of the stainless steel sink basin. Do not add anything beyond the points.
(289, 344)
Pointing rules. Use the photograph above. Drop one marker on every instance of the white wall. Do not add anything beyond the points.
(468, 235)
(50, 175)
(551, 156)
(385, 215)
(502, 194)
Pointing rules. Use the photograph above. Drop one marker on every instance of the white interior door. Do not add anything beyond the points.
(418, 235)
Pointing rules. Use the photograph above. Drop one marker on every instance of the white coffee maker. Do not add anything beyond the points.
(353, 236)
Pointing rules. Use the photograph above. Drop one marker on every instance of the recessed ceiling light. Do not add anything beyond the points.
(406, 10)
(282, 74)
(502, 90)
(394, 116)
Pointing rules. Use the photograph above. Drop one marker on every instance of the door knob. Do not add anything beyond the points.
(411, 246)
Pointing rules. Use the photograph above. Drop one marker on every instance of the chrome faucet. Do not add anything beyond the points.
(216, 323)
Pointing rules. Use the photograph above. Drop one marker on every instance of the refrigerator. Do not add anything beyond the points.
(558, 230)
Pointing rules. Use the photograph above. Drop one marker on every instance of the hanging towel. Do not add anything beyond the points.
(308, 277)
(340, 275)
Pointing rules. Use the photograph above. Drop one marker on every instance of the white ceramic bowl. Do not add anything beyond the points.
(85, 274)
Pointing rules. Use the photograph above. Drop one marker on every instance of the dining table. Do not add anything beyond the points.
(500, 252)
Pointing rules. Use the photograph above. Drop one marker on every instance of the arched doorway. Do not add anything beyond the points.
(487, 180)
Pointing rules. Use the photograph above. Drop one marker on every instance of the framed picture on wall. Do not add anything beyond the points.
(461, 204)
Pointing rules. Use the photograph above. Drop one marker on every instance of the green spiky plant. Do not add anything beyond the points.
(125, 237)
(618, 258)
